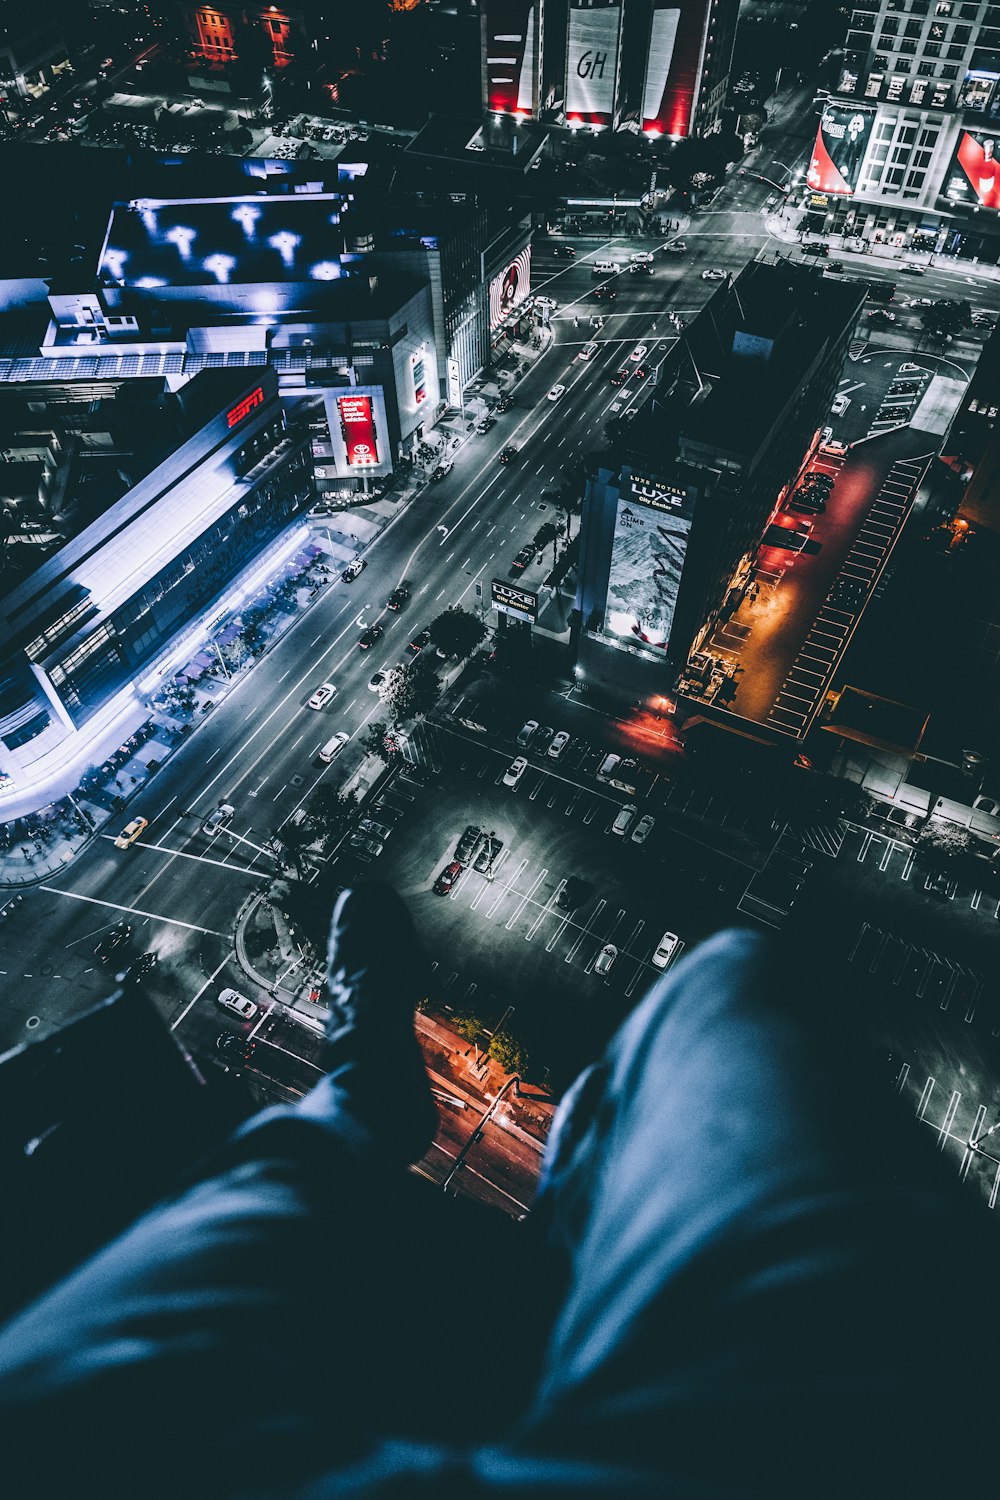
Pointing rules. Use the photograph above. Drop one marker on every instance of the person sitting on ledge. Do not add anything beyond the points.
(744, 1276)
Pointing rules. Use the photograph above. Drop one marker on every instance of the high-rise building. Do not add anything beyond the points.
(593, 62)
(905, 154)
(223, 32)
(688, 56)
(511, 42)
(671, 526)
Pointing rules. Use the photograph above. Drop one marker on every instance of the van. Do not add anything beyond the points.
(608, 767)
(588, 350)
(333, 746)
(603, 268)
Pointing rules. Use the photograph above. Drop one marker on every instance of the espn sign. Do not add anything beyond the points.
(244, 407)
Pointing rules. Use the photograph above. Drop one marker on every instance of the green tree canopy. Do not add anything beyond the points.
(457, 632)
(413, 692)
(946, 318)
(510, 1052)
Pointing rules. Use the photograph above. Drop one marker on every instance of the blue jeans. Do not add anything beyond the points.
(755, 1283)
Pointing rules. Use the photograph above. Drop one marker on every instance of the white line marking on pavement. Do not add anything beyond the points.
(210, 980)
(133, 911)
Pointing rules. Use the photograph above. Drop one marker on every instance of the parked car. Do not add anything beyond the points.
(527, 733)
(665, 950)
(573, 894)
(605, 959)
(515, 771)
(447, 878)
(623, 821)
(505, 403)
(365, 843)
(523, 560)
(397, 598)
(468, 844)
(840, 404)
(643, 828)
(835, 448)
(131, 832)
(881, 318)
(488, 853)
(321, 697)
(239, 1004)
(558, 745)
(484, 425)
(894, 414)
(442, 470)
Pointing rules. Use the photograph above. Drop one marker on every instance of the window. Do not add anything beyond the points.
(908, 135)
(915, 179)
(914, 28)
(881, 64)
(926, 69)
(962, 34)
(903, 65)
(900, 156)
(894, 177)
(932, 49)
(928, 137)
(922, 158)
(943, 8)
(909, 47)
(883, 130)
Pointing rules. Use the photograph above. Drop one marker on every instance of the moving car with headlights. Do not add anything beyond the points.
(131, 832)
(527, 733)
(515, 771)
(321, 697)
(367, 638)
(508, 454)
(638, 353)
(557, 393)
(589, 350)
(564, 252)
(397, 598)
(219, 819)
(419, 642)
(620, 377)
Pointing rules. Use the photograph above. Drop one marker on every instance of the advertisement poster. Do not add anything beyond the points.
(510, 43)
(519, 604)
(592, 64)
(510, 288)
(652, 527)
(841, 143)
(358, 424)
(672, 62)
(419, 378)
(974, 174)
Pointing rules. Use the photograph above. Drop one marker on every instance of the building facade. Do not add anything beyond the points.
(905, 154)
(92, 621)
(673, 521)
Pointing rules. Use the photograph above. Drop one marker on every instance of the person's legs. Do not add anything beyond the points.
(763, 1273)
(260, 1318)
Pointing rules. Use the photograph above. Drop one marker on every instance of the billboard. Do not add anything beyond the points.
(673, 60)
(510, 288)
(518, 603)
(511, 56)
(419, 378)
(974, 174)
(592, 64)
(652, 527)
(841, 143)
(245, 406)
(357, 423)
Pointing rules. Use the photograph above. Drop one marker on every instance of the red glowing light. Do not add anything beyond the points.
(244, 407)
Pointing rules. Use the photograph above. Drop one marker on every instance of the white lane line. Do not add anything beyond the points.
(194, 1000)
(200, 859)
(284, 674)
(213, 755)
(133, 911)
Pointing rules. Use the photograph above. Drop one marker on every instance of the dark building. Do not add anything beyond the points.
(32, 50)
(673, 518)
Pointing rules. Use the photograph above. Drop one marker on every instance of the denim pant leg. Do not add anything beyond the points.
(245, 1329)
(767, 1277)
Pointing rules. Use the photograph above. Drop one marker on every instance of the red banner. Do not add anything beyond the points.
(358, 425)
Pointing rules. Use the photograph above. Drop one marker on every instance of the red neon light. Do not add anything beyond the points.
(245, 407)
(359, 430)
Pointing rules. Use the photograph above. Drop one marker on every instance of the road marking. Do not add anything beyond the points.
(528, 895)
(200, 859)
(210, 980)
(133, 911)
(584, 930)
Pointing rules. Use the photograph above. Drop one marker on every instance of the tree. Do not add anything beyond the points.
(946, 318)
(510, 1052)
(294, 839)
(307, 905)
(941, 843)
(468, 1025)
(457, 632)
(379, 740)
(329, 813)
(413, 692)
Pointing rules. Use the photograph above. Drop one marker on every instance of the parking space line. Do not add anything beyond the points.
(908, 866)
(524, 901)
(573, 801)
(925, 1097)
(550, 905)
(584, 930)
(977, 896)
(884, 861)
(949, 1119)
(506, 888)
(864, 848)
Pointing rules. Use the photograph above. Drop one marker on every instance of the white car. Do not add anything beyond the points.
(840, 405)
(549, 302)
(643, 829)
(919, 302)
(526, 733)
(623, 822)
(237, 1003)
(642, 258)
(557, 392)
(665, 950)
(515, 771)
(714, 274)
(558, 745)
(605, 959)
(322, 695)
(639, 352)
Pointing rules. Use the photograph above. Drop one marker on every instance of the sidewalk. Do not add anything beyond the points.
(885, 257)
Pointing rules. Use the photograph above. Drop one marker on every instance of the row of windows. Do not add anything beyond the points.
(924, 70)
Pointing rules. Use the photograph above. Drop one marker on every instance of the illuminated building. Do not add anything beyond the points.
(676, 514)
(32, 51)
(512, 41)
(153, 512)
(924, 80)
(688, 53)
(216, 33)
